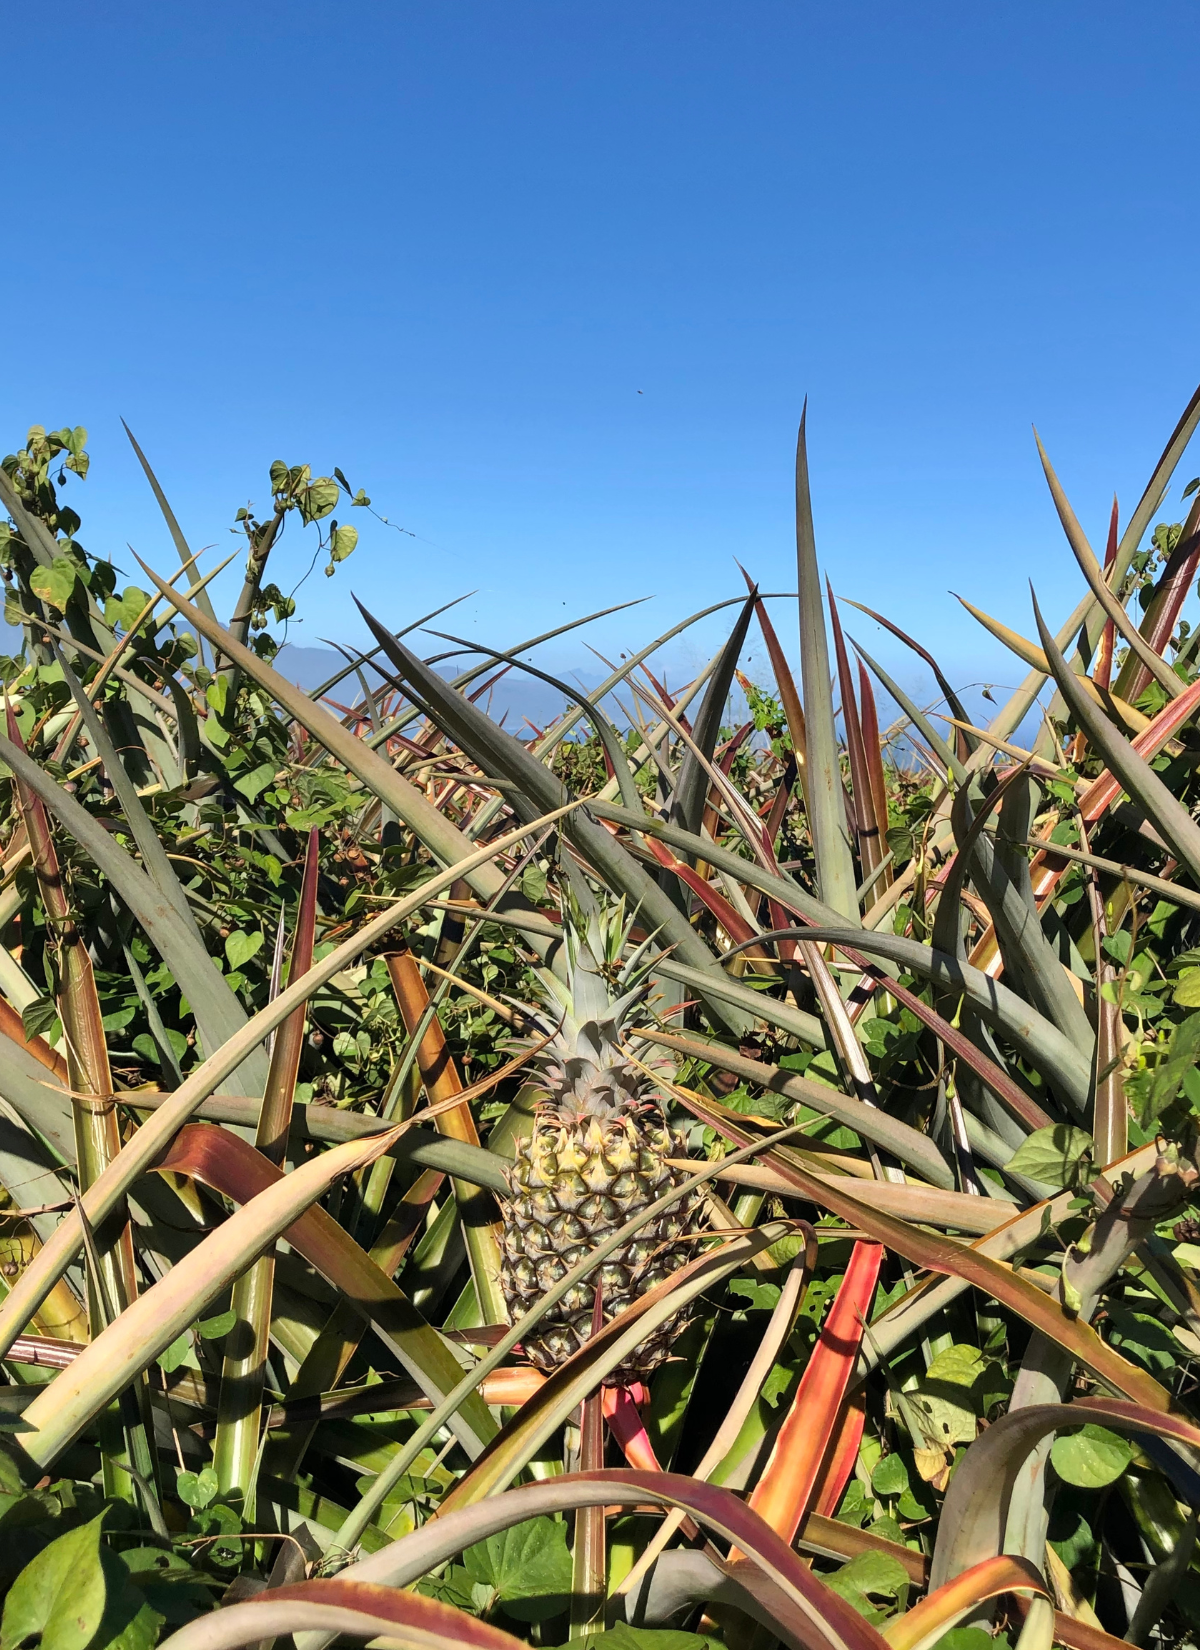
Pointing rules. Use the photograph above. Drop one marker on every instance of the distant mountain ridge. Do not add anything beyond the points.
(515, 697)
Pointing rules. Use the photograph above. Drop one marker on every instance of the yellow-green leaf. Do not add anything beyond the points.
(342, 542)
(1057, 1156)
(240, 947)
(1091, 1457)
(55, 583)
(319, 498)
(57, 1601)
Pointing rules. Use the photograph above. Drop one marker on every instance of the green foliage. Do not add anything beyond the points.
(890, 1477)
(526, 1569)
(59, 1598)
(1157, 1086)
(971, 1638)
(1091, 1457)
(874, 1583)
(78, 1595)
(624, 1637)
(1059, 1155)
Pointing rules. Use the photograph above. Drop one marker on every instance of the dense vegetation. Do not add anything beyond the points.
(889, 1309)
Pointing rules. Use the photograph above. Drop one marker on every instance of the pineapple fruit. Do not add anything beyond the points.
(597, 1155)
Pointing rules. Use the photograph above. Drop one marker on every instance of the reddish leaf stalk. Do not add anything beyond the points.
(11, 1026)
(784, 1492)
(623, 1412)
(89, 1077)
(839, 1462)
(589, 1565)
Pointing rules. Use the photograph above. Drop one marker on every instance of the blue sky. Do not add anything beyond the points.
(551, 282)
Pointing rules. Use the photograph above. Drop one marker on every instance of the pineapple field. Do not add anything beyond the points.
(719, 1169)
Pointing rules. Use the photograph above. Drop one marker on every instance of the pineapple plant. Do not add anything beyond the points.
(597, 1156)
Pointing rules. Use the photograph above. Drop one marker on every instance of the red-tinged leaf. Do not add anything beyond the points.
(832, 1538)
(816, 1618)
(938, 1613)
(1170, 817)
(785, 1490)
(276, 1116)
(839, 1461)
(951, 697)
(723, 756)
(1104, 791)
(1162, 615)
(1110, 548)
(1074, 1634)
(44, 1351)
(439, 1073)
(779, 807)
(149, 1323)
(1102, 668)
(785, 682)
(722, 1440)
(668, 699)
(1091, 570)
(508, 1387)
(438, 1070)
(787, 948)
(1045, 870)
(723, 759)
(941, 1254)
(1008, 1092)
(624, 1417)
(488, 685)
(863, 801)
(971, 1527)
(336, 1607)
(231, 1166)
(873, 752)
(575, 1379)
(961, 1212)
(734, 925)
(511, 1387)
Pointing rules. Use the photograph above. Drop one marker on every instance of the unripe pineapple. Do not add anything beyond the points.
(596, 1157)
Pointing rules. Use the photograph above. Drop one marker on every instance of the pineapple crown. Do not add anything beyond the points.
(587, 1073)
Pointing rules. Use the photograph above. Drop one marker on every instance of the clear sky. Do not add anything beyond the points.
(551, 281)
